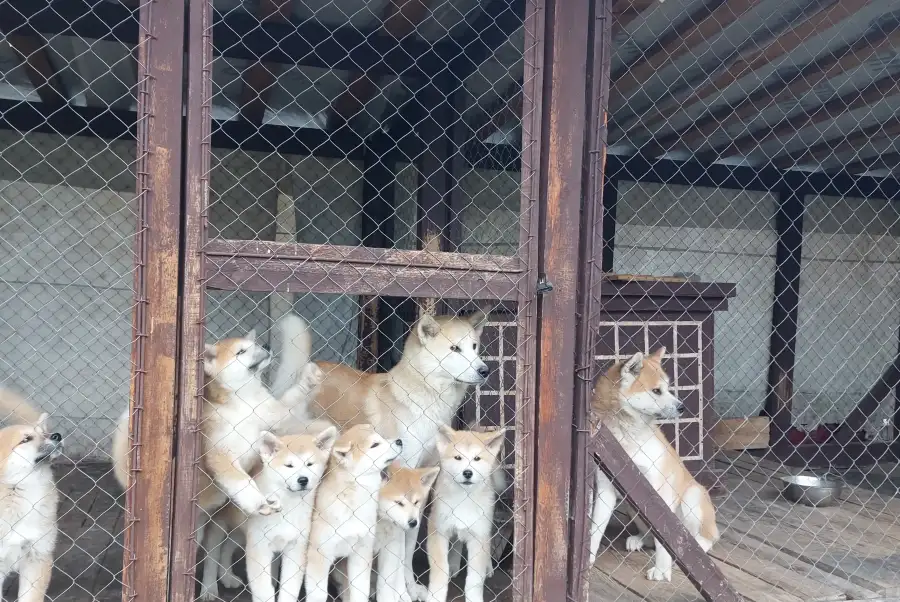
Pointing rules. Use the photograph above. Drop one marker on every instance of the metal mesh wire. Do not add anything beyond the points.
(69, 222)
(751, 145)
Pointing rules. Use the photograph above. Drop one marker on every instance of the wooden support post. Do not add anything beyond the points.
(436, 133)
(610, 202)
(782, 355)
(378, 232)
(562, 158)
(154, 351)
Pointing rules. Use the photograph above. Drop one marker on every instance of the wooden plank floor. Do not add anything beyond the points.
(775, 551)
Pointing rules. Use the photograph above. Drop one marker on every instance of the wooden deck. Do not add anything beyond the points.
(774, 551)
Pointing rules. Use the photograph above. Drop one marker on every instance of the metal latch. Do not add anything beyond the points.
(544, 286)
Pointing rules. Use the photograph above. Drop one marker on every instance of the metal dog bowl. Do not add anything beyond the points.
(812, 490)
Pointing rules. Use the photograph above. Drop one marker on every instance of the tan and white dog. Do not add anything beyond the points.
(28, 498)
(237, 408)
(346, 512)
(292, 468)
(441, 360)
(628, 399)
(463, 509)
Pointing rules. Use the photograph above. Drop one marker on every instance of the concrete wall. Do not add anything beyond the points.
(722, 236)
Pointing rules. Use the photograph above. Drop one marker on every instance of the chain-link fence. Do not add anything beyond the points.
(750, 229)
(72, 234)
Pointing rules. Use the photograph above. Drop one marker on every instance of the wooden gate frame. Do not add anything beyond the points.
(578, 38)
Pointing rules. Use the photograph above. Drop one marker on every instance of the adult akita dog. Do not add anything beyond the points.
(627, 399)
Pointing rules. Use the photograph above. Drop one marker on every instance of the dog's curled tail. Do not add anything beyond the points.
(120, 449)
(14, 407)
(296, 349)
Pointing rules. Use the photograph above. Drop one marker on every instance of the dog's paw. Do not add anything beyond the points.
(229, 580)
(657, 574)
(417, 592)
(634, 543)
(274, 503)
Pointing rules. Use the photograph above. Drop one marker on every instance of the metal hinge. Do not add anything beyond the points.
(544, 286)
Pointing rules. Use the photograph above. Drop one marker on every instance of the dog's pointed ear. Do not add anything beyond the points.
(480, 318)
(251, 336)
(209, 356)
(341, 449)
(42, 420)
(494, 442)
(325, 440)
(444, 437)
(267, 446)
(634, 364)
(659, 353)
(427, 328)
(427, 476)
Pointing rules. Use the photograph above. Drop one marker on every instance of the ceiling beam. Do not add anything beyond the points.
(791, 125)
(789, 85)
(35, 55)
(398, 21)
(835, 146)
(754, 57)
(626, 11)
(260, 78)
(658, 57)
(674, 33)
(889, 161)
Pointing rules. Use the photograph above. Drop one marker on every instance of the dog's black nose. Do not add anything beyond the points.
(467, 474)
(680, 409)
(56, 437)
(267, 348)
(304, 481)
(484, 371)
(413, 523)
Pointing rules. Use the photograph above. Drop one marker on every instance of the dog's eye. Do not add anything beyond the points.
(27, 439)
(401, 504)
(475, 346)
(374, 445)
(455, 349)
(478, 458)
(289, 465)
(457, 457)
(657, 391)
(416, 502)
(240, 351)
(309, 463)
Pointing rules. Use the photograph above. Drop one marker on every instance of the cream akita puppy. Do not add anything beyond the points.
(28, 498)
(346, 512)
(463, 509)
(627, 399)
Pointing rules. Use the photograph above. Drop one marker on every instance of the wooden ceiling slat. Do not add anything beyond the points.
(784, 88)
(791, 125)
(701, 31)
(889, 161)
(755, 58)
(835, 146)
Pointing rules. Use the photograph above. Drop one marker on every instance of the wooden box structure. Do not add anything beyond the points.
(642, 314)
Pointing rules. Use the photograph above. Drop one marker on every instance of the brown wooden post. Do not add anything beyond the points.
(190, 390)
(782, 356)
(562, 159)
(154, 360)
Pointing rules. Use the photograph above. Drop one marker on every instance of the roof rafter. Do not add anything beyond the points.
(34, 52)
(787, 86)
(745, 63)
(835, 146)
(259, 78)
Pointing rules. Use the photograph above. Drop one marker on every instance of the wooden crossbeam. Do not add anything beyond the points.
(790, 125)
(889, 161)
(626, 11)
(35, 56)
(399, 20)
(788, 86)
(260, 78)
(755, 56)
(698, 32)
(835, 146)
